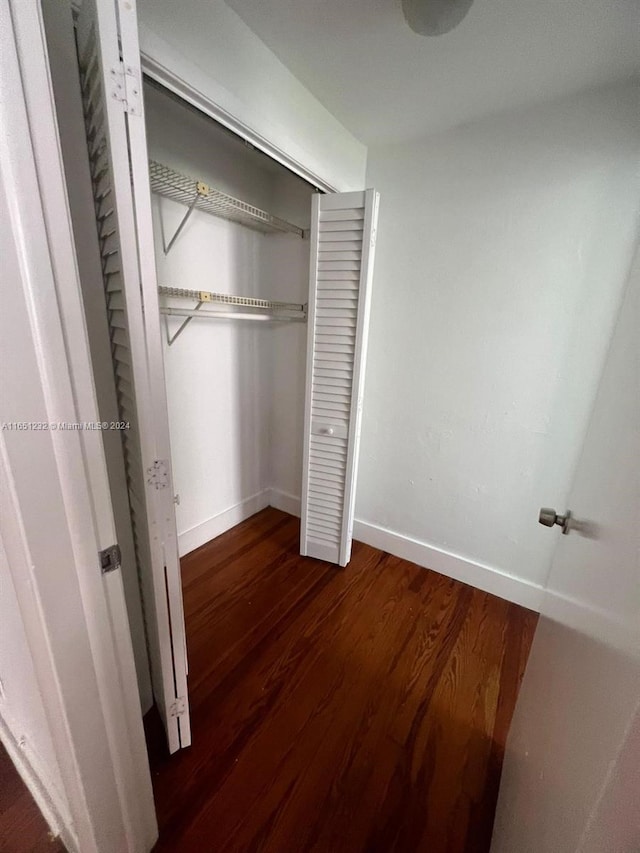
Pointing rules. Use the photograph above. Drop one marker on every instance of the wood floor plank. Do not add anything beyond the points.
(357, 709)
(23, 829)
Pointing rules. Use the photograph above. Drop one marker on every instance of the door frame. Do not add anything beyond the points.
(89, 692)
(172, 79)
(103, 800)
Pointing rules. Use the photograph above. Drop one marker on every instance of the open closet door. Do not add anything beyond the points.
(343, 229)
(111, 83)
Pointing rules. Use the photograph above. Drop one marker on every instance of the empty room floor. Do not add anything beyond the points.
(357, 709)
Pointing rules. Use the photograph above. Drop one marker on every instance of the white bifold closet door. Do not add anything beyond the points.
(343, 230)
(111, 82)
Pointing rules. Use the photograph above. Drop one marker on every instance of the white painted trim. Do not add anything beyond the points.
(367, 260)
(595, 622)
(115, 671)
(130, 158)
(207, 530)
(162, 73)
(308, 384)
(93, 324)
(30, 770)
(88, 686)
(285, 501)
(479, 575)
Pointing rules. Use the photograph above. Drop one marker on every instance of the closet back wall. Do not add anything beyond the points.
(220, 374)
(287, 278)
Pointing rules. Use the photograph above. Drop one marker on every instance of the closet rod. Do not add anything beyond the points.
(265, 309)
(230, 315)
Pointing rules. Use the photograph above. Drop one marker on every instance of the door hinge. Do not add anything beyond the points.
(110, 558)
(125, 88)
(179, 707)
(158, 474)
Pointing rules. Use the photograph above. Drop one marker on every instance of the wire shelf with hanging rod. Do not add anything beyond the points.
(254, 309)
(197, 195)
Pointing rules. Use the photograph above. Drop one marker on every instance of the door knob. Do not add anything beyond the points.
(549, 517)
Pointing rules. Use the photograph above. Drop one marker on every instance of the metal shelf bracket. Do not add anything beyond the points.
(171, 338)
(202, 191)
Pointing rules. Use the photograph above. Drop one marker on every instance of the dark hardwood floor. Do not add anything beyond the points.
(22, 827)
(357, 709)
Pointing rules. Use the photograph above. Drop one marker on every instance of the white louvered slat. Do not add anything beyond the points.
(330, 508)
(339, 225)
(338, 266)
(329, 452)
(336, 490)
(337, 321)
(341, 301)
(343, 236)
(344, 214)
(115, 301)
(340, 280)
(107, 41)
(349, 236)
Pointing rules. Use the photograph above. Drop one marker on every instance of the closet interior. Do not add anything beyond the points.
(231, 245)
(226, 301)
(231, 234)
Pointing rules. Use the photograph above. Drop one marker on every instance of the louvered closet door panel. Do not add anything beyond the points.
(104, 29)
(343, 239)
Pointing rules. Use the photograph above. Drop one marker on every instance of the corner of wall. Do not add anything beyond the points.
(488, 579)
(236, 77)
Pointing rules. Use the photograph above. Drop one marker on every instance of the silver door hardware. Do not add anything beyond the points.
(110, 559)
(549, 517)
(125, 87)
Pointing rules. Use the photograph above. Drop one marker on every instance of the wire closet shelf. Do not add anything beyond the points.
(198, 195)
(230, 299)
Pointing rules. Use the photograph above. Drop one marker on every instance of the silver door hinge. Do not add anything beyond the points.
(178, 708)
(125, 88)
(158, 474)
(110, 558)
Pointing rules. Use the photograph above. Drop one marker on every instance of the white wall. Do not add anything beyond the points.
(23, 724)
(208, 46)
(286, 267)
(220, 374)
(502, 250)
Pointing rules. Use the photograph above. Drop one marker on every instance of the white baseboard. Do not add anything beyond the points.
(486, 578)
(196, 536)
(585, 618)
(51, 806)
(285, 501)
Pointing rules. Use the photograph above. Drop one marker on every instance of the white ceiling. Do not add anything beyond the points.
(387, 84)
